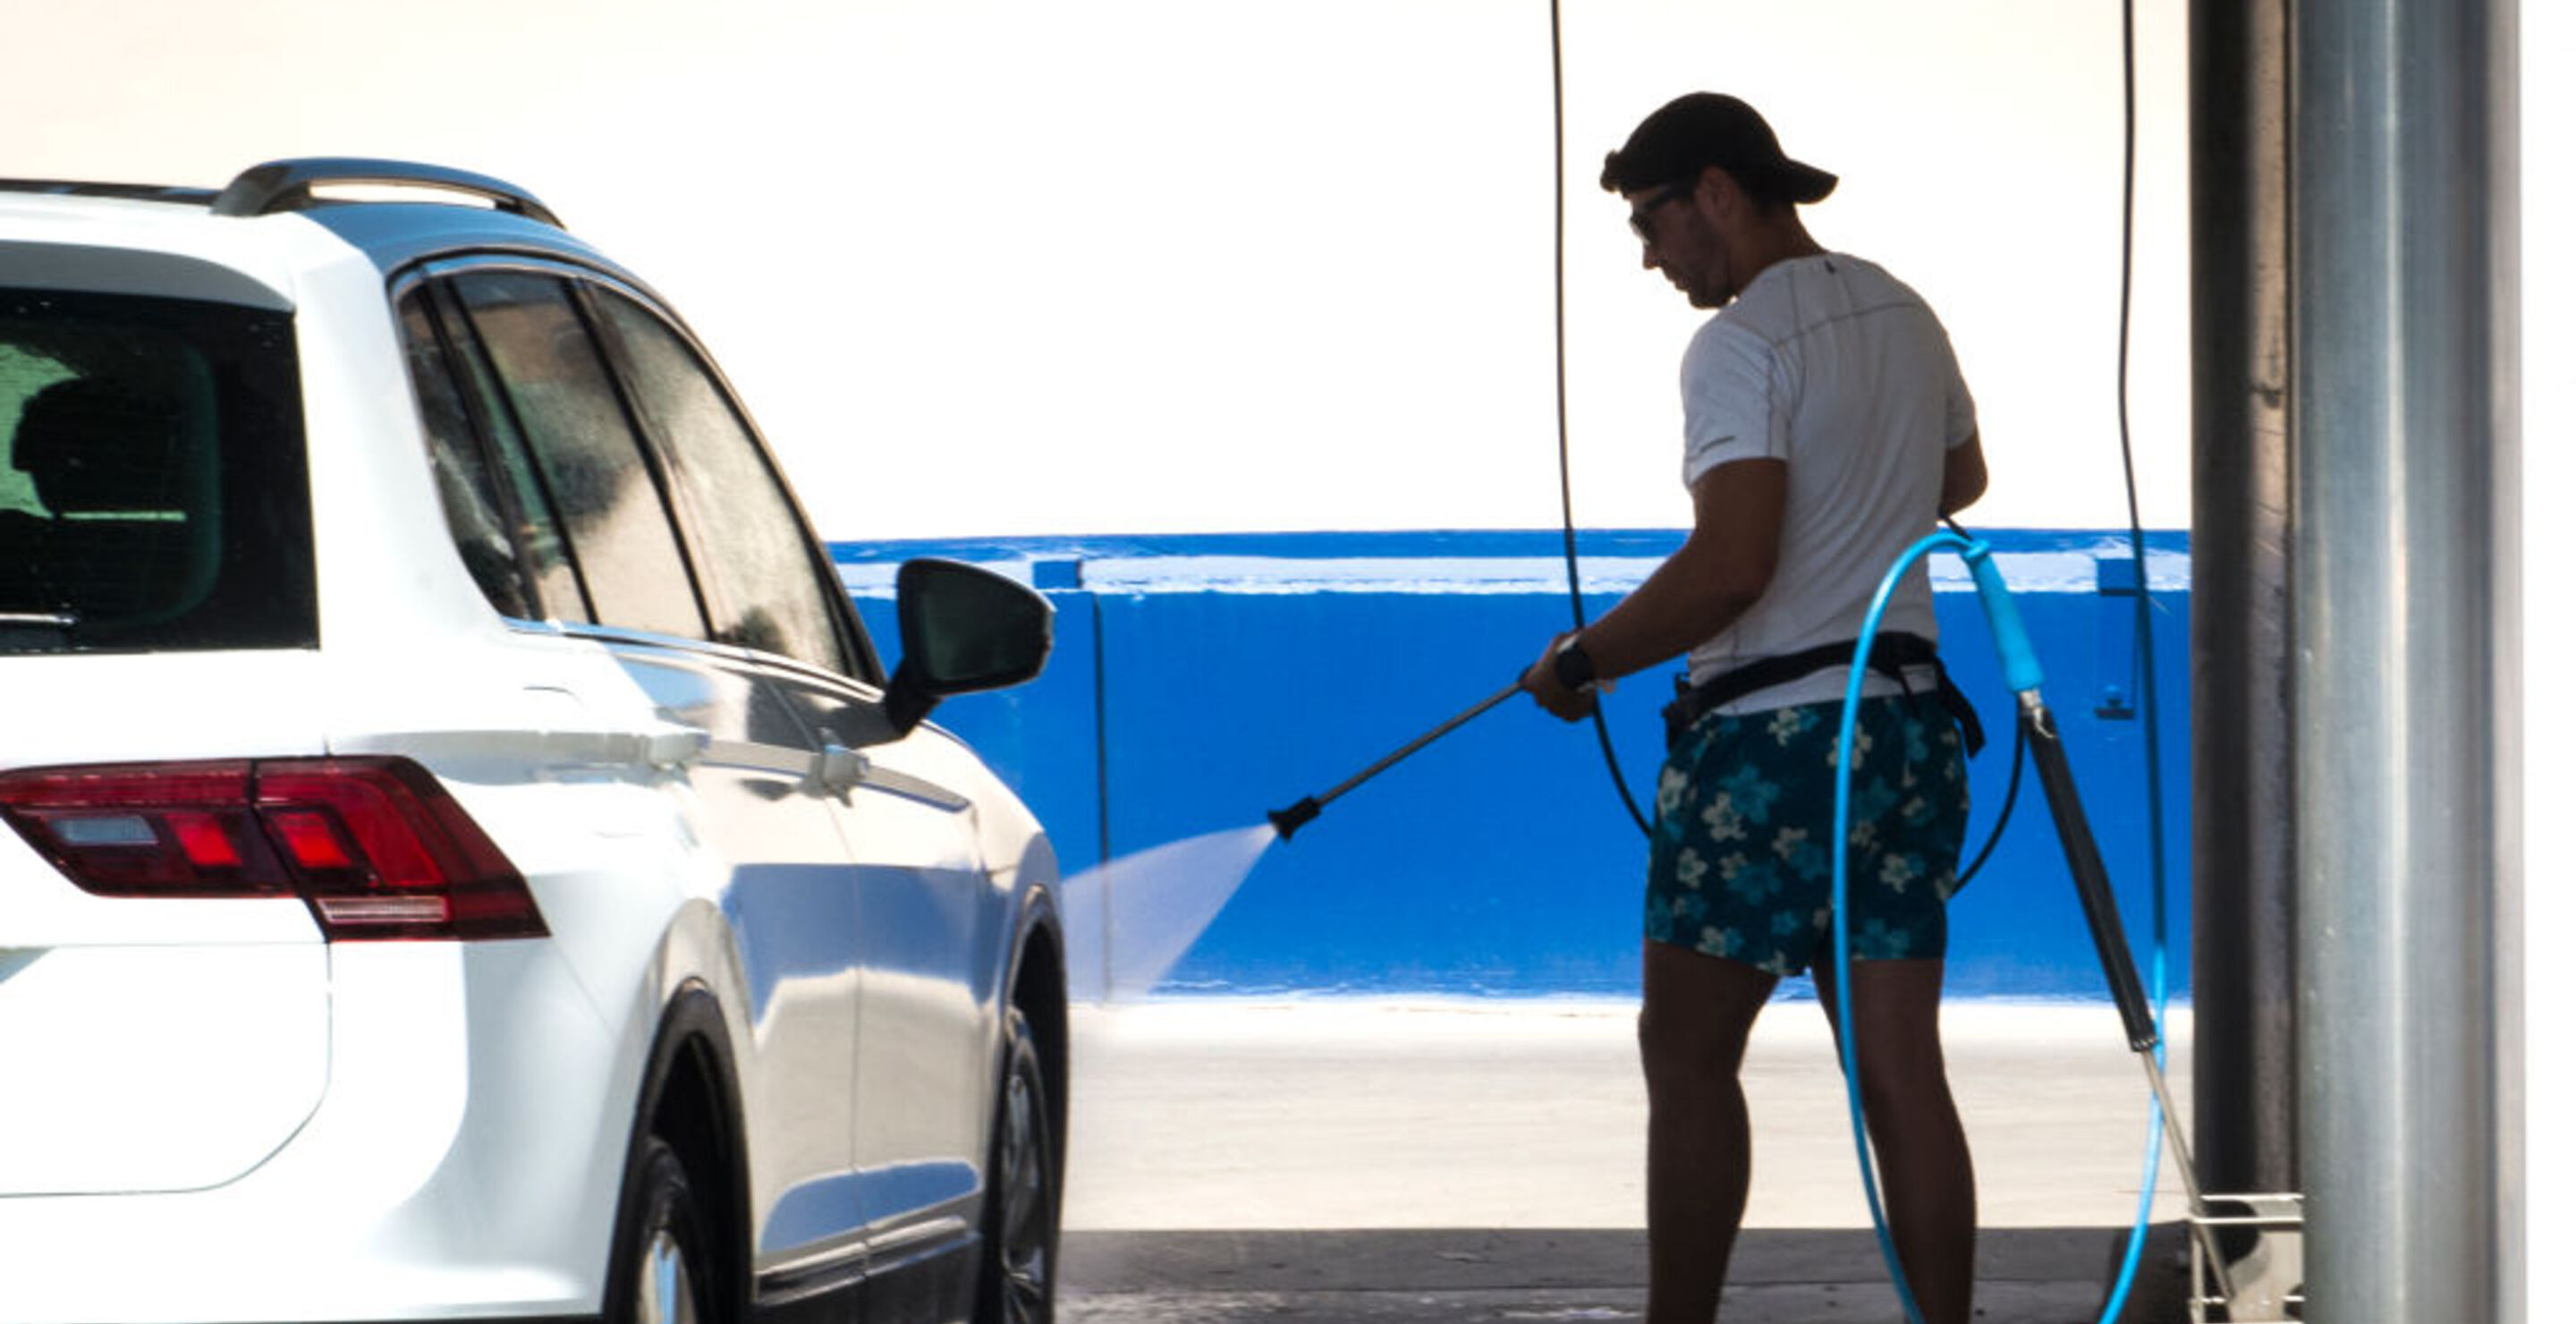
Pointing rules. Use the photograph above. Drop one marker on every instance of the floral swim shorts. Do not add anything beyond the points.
(1744, 816)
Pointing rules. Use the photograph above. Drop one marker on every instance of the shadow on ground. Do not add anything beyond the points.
(1780, 1276)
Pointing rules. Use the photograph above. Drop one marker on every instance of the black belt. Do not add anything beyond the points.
(1889, 655)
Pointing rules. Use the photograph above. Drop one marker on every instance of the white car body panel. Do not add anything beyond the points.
(189, 1097)
(309, 1130)
(386, 1191)
(48, 247)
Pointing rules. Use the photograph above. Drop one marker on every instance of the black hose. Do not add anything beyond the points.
(2012, 793)
(2144, 656)
(1564, 455)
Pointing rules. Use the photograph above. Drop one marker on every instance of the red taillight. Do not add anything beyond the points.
(375, 846)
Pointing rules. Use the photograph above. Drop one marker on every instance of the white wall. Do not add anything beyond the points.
(1002, 267)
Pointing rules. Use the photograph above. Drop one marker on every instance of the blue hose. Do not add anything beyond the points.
(2022, 674)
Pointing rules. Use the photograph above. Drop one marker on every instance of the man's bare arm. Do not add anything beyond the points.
(1963, 475)
(1722, 568)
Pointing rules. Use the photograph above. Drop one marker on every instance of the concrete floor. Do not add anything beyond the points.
(1328, 1160)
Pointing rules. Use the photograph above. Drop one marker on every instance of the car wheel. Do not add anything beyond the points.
(663, 1273)
(1022, 1203)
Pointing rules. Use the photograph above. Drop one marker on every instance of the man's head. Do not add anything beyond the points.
(1703, 129)
(1711, 195)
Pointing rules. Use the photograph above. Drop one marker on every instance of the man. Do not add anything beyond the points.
(1826, 428)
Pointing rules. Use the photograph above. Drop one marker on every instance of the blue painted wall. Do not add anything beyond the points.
(1199, 682)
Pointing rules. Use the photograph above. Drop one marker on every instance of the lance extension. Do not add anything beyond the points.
(2084, 863)
(1298, 815)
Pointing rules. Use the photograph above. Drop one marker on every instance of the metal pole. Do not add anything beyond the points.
(2404, 207)
(2244, 945)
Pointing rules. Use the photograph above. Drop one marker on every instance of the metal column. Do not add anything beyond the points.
(2244, 934)
(2404, 310)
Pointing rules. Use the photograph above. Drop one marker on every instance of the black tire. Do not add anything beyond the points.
(662, 1272)
(1021, 1203)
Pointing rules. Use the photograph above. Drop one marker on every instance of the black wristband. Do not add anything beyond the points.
(1573, 667)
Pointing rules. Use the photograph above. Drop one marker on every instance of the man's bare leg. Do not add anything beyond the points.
(1699, 1010)
(1926, 1178)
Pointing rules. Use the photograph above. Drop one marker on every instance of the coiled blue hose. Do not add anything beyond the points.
(2022, 675)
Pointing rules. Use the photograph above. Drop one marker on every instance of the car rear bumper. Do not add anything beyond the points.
(406, 1195)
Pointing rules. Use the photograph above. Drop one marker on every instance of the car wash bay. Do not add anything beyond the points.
(2356, 623)
(1396, 1077)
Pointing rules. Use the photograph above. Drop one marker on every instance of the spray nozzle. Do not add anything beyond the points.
(1295, 816)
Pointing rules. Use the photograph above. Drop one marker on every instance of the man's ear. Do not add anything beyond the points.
(1719, 192)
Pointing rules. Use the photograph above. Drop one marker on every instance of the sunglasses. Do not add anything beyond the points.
(1642, 220)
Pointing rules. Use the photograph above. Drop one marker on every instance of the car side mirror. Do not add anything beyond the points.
(965, 630)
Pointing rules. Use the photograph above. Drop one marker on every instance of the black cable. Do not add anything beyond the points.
(2142, 657)
(2145, 655)
(1564, 449)
(2012, 793)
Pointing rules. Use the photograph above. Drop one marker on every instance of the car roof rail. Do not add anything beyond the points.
(91, 189)
(276, 186)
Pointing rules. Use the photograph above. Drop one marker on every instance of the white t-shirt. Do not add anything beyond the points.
(1835, 366)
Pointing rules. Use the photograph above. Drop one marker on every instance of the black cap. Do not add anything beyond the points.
(1705, 129)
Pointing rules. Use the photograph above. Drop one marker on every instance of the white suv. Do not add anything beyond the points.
(464, 858)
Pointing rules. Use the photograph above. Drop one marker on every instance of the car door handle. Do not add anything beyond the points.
(840, 769)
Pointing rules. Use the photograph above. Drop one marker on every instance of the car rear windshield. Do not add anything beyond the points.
(152, 482)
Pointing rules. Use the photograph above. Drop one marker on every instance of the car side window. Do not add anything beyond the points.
(521, 490)
(601, 484)
(476, 518)
(766, 587)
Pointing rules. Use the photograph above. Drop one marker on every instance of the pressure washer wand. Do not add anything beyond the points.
(2084, 862)
(1298, 815)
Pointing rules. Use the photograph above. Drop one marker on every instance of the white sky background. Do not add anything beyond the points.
(1011, 267)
